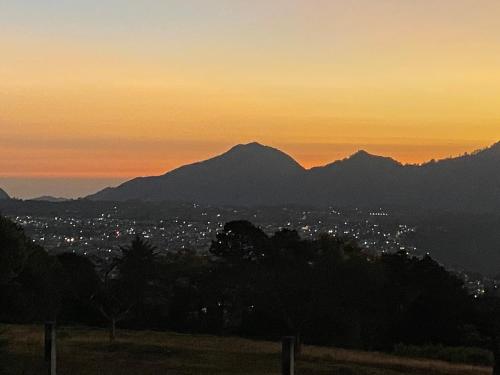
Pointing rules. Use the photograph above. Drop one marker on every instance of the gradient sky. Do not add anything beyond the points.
(98, 91)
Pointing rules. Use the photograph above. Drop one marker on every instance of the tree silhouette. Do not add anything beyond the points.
(112, 299)
(29, 277)
(137, 272)
(487, 319)
(126, 284)
(14, 251)
(80, 284)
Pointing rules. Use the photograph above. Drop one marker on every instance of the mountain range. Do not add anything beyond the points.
(253, 174)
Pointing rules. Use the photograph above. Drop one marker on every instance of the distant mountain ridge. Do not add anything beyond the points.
(3, 195)
(254, 174)
(50, 198)
(249, 174)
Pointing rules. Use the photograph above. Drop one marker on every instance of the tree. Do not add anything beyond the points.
(282, 277)
(238, 251)
(137, 272)
(128, 285)
(287, 281)
(29, 277)
(14, 251)
(418, 294)
(80, 283)
(112, 299)
(487, 319)
(182, 277)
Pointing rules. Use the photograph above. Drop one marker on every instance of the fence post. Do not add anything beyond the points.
(50, 347)
(287, 355)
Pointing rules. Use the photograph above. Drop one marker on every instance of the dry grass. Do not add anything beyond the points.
(87, 351)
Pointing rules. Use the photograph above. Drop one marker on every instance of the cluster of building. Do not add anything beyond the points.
(103, 234)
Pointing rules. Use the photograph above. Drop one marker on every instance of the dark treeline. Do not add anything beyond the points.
(461, 240)
(325, 291)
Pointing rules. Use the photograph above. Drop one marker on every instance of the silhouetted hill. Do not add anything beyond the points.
(360, 180)
(250, 174)
(466, 183)
(4, 195)
(254, 174)
(49, 198)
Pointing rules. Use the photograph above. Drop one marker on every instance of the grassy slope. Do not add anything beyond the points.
(86, 351)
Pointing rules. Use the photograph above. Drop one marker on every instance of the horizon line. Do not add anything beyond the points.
(103, 176)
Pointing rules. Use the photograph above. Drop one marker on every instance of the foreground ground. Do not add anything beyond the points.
(87, 351)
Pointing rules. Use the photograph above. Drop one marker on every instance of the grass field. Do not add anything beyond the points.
(87, 351)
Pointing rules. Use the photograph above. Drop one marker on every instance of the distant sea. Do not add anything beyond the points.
(64, 187)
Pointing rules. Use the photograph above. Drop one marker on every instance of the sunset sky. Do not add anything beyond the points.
(94, 92)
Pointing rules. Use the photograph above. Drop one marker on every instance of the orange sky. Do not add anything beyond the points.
(131, 88)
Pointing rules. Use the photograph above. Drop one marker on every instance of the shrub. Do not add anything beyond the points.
(469, 355)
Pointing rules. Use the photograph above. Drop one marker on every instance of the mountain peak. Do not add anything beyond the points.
(262, 156)
(245, 174)
(252, 146)
(362, 154)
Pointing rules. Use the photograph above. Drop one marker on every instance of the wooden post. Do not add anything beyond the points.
(287, 355)
(112, 330)
(48, 341)
(50, 347)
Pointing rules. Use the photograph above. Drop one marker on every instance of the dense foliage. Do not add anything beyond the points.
(324, 291)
